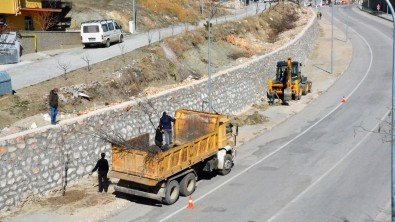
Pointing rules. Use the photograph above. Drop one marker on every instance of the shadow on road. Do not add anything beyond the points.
(138, 200)
(155, 203)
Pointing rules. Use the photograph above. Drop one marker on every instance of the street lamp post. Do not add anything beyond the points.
(392, 116)
(210, 99)
(209, 82)
(347, 19)
(332, 39)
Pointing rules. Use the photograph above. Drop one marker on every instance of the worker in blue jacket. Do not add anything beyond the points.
(165, 123)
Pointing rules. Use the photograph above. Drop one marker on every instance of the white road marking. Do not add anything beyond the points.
(330, 170)
(286, 144)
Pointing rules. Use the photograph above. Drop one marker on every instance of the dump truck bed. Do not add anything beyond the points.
(149, 168)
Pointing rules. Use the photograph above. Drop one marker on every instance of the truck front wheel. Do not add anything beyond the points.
(188, 184)
(228, 164)
(172, 192)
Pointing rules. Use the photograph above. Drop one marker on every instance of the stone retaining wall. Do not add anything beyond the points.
(34, 161)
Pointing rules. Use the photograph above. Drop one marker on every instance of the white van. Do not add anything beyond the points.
(100, 32)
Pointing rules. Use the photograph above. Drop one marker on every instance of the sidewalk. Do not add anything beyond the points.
(32, 72)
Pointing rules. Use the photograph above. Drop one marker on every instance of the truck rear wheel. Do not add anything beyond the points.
(228, 164)
(188, 184)
(172, 192)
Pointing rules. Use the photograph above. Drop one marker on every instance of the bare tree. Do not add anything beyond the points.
(64, 67)
(172, 30)
(149, 35)
(87, 60)
(122, 49)
(186, 27)
(45, 20)
(201, 7)
(159, 36)
(257, 8)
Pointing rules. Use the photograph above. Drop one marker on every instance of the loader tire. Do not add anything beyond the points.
(287, 96)
(228, 164)
(310, 88)
(172, 192)
(304, 91)
(188, 184)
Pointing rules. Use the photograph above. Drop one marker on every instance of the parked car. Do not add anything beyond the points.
(101, 32)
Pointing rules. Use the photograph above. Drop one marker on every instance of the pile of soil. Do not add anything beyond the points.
(250, 119)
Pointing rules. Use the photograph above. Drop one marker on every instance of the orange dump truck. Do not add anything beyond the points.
(202, 142)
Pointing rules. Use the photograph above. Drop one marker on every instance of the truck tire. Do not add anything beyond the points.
(172, 192)
(188, 184)
(228, 164)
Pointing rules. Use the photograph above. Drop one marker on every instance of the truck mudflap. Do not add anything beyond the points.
(156, 196)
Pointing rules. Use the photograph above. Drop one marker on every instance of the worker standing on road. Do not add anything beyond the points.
(102, 167)
(53, 104)
(165, 123)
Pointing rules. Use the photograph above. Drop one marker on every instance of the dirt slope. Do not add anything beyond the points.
(150, 14)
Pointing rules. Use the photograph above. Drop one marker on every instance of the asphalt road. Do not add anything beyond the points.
(326, 163)
(30, 73)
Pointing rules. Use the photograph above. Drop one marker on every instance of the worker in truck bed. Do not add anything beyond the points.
(102, 170)
(165, 123)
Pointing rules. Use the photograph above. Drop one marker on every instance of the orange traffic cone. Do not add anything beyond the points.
(344, 100)
(190, 203)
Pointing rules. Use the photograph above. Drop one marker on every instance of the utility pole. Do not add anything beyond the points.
(332, 39)
(134, 15)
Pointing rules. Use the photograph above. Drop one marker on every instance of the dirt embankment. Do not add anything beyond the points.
(173, 62)
(150, 14)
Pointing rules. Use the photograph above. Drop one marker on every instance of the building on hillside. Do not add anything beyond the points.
(38, 15)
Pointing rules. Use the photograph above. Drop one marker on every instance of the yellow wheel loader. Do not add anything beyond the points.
(289, 82)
